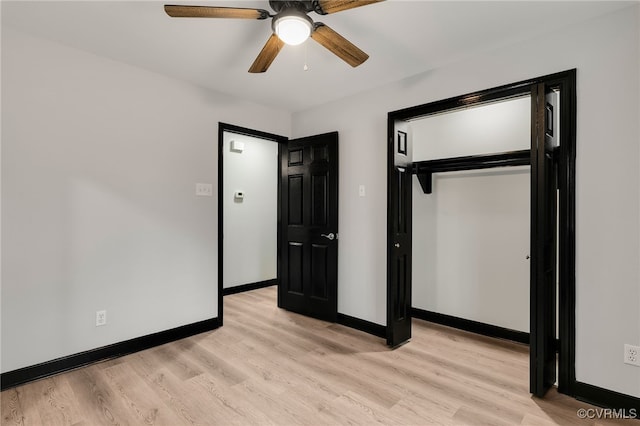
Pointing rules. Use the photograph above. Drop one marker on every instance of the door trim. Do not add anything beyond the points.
(566, 81)
(230, 128)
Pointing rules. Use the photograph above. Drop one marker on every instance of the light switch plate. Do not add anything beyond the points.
(361, 191)
(204, 189)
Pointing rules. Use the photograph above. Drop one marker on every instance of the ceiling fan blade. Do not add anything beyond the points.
(267, 54)
(333, 6)
(177, 11)
(339, 45)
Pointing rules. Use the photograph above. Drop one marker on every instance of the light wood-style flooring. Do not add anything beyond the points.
(266, 366)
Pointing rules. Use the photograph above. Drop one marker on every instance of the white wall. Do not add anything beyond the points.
(470, 242)
(251, 224)
(471, 234)
(606, 53)
(488, 129)
(99, 165)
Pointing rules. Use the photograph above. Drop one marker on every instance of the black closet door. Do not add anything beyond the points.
(544, 140)
(399, 236)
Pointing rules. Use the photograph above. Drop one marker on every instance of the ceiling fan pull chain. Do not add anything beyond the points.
(306, 50)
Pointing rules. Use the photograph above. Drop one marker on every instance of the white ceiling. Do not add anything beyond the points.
(402, 37)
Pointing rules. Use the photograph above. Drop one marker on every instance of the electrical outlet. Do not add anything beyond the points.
(632, 355)
(101, 318)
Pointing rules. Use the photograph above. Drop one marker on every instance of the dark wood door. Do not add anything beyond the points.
(399, 236)
(309, 227)
(544, 141)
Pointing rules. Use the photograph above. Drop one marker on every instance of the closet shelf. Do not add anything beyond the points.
(424, 170)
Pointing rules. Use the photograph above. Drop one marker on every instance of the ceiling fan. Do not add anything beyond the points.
(290, 24)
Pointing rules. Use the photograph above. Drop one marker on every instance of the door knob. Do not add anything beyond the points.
(331, 236)
(397, 245)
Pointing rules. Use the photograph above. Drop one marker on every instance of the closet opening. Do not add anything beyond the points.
(481, 220)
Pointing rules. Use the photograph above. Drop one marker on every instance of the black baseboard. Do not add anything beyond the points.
(472, 326)
(28, 374)
(362, 325)
(594, 395)
(249, 287)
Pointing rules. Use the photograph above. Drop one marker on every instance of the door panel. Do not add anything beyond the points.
(399, 237)
(319, 267)
(295, 157)
(403, 179)
(295, 196)
(295, 256)
(401, 300)
(319, 200)
(543, 240)
(309, 244)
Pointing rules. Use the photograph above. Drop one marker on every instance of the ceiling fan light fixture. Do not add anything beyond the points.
(293, 29)
(291, 25)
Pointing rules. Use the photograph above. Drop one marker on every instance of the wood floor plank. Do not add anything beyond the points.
(229, 404)
(295, 377)
(138, 397)
(12, 413)
(169, 389)
(474, 417)
(61, 406)
(209, 362)
(100, 404)
(372, 368)
(444, 381)
(48, 401)
(333, 368)
(280, 411)
(176, 360)
(269, 367)
(353, 408)
(426, 410)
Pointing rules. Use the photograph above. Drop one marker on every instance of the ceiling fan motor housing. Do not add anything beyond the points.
(304, 6)
(290, 13)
